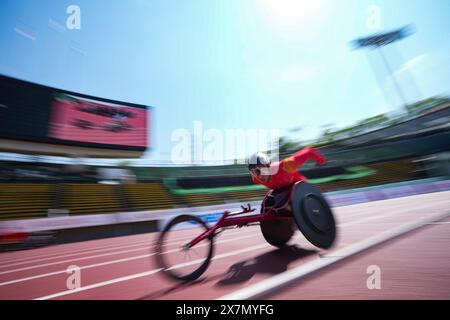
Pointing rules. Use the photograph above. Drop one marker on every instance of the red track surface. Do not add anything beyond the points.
(416, 265)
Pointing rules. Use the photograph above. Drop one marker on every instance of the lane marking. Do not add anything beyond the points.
(68, 255)
(109, 263)
(66, 249)
(54, 255)
(360, 220)
(447, 222)
(265, 287)
(146, 243)
(392, 207)
(70, 260)
(143, 274)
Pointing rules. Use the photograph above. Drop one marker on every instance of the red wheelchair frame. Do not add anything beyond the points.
(276, 223)
(227, 220)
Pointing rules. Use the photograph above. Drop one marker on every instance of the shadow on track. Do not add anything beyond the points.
(273, 262)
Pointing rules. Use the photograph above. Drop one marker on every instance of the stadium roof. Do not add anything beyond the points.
(435, 120)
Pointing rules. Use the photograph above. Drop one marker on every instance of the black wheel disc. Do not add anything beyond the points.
(316, 214)
(313, 215)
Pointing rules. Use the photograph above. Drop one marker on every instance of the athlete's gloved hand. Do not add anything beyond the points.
(321, 160)
(318, 157)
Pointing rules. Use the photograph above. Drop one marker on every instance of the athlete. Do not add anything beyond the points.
(281, 174)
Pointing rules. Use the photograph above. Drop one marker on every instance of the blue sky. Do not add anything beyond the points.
(229, 63)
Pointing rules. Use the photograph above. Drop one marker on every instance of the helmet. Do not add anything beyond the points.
(257, 160)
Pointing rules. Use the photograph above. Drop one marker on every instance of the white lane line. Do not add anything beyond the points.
(447, 222)
(144, 274)
(397, 207)
(38, 276)
(70, 260)
(69, 255)
(54, 255)
(147, 244)
(363, 213)
(360, 221)
(68, 249)
(268, 286)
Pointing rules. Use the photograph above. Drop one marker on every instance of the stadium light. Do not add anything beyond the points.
(380, 40)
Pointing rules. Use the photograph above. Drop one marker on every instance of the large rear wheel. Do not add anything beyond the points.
(277, 232)
(313, 215)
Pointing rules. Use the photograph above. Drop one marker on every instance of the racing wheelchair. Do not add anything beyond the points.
(301, 204)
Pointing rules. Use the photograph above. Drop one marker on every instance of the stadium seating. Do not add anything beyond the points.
(153, 195)
(25, 200)
(88, 198)
(200, 199)
(245, 195)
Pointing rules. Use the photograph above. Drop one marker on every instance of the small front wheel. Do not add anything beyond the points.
(174, 253)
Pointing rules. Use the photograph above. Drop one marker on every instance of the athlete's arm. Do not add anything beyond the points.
(292, 163)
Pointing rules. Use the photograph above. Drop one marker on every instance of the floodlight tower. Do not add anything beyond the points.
(380, 40)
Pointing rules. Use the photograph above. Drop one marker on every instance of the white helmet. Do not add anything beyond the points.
(257, 160)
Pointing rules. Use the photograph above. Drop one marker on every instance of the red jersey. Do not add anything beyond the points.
(284, 172)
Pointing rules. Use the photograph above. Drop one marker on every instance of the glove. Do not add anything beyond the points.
(321, 161)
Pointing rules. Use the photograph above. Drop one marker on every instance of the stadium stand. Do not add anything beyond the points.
(153, 195)
(25, 200)
(201, 199)
(245, 195)
(87, 198)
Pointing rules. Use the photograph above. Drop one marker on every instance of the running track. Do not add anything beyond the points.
(414, 265)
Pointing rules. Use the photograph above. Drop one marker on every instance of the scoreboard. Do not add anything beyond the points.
(36, 113)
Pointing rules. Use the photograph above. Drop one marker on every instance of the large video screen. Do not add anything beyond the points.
(85, 120)
(38, 113)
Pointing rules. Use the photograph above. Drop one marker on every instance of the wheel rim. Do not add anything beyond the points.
(175, 255)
